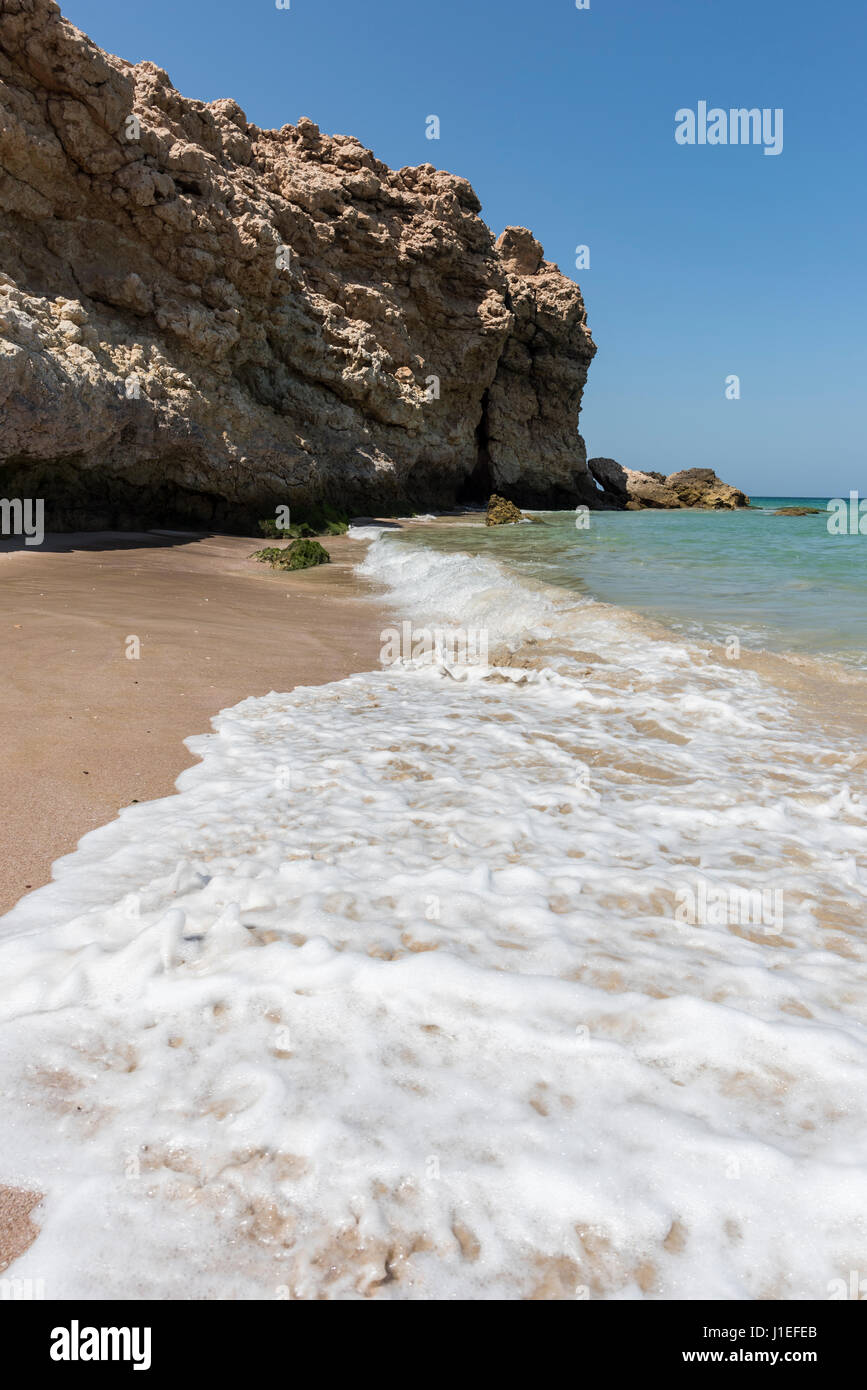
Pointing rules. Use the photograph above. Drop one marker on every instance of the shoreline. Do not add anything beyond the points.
(161, 588)
(96, 730)
(100, 730)
(803, 676)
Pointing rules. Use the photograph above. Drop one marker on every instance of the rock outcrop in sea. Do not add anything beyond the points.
(631, 490)
(201, 320)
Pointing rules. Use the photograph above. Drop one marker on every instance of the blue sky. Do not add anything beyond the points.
(704, 261)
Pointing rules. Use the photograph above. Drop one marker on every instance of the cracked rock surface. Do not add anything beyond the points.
(201, 320)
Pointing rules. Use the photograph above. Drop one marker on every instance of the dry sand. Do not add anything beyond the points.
(88, 730)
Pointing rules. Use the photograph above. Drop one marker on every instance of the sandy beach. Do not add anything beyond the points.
(95, 729)
(633, 817)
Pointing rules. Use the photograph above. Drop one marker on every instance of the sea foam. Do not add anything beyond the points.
(393, 997)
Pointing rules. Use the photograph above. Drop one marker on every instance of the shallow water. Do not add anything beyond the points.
(779, 583)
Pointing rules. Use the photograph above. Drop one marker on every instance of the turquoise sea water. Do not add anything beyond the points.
(779, 583)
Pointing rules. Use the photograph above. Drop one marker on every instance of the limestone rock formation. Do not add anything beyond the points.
(201, 320)
(700, 487)
(631, 490)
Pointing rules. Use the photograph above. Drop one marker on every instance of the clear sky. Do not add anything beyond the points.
(705, 261)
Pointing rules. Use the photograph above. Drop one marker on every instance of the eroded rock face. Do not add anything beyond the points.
(628, 488)
(632, 490)
(201, 320)
(700, 487)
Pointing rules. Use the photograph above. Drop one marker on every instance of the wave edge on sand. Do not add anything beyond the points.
(403, 994)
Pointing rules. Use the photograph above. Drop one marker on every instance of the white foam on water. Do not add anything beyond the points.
(466, 591)
(393, 998)
(365, 531)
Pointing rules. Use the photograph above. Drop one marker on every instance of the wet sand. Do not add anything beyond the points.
(17, 1231)
(89, 729)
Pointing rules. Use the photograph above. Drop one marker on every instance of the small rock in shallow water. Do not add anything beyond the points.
(501, 512)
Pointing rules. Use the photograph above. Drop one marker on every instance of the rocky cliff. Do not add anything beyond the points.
(201, 320)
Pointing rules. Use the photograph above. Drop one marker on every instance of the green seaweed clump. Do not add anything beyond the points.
(296, 531)
(300, 555)
(329, 521)
(323, 520)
